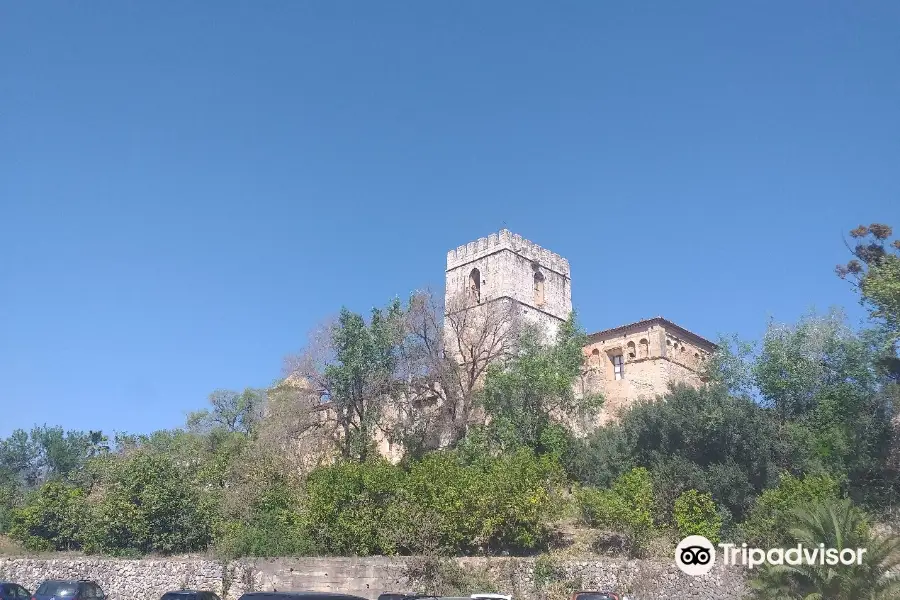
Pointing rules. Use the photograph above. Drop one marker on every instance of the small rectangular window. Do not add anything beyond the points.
(617, 367)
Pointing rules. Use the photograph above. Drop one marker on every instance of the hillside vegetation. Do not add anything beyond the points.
(801, 418)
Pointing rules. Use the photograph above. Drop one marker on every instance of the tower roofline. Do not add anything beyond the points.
(643, 324)
(505, 240)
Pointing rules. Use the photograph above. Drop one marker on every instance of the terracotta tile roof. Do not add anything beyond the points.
(669, 325)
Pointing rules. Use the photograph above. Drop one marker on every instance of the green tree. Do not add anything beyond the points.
(526, 396)
(823, 382)
(148, 506)
(19, 460)
(598, 459)
(274, 525)
(55, 517)
(237, 412)
(798, 363)
(768, 524)
(627, 507)
(44, 453)
(360, 377)
(346, 507)
(875, 271)
(695, 514)
(703, 439)
(443, 504)
(837, 525)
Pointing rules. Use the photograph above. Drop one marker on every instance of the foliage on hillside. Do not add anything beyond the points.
(802, 417)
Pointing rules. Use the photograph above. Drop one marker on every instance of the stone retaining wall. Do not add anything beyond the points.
(148, 579)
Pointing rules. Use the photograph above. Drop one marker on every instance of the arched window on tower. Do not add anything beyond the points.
(644, 348)
(474, 288)
(538, 289)
(631, 350)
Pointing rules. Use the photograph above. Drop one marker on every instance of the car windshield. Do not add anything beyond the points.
(57, 588)
(593, 597)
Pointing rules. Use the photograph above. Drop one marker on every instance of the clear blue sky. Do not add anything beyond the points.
(188, 188)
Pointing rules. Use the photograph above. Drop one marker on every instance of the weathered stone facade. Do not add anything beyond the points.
(494, 285)
(149, 579)
(651, 354)
(505, 266)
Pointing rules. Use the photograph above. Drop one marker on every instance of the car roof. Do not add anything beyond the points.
(299, 595)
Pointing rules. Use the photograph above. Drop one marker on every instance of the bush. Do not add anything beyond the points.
(274, 527)
(441, 505)
(627, 506)
(600, 458)
(55, 517)
(696, 514)
(771, 517)
(515, 500)
(346, 507)
(149, 507)
(8, 500)
(438, 576)
(700, 439)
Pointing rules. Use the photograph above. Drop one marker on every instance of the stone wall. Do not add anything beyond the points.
(148, 579)
(507, 265)
(655, 353)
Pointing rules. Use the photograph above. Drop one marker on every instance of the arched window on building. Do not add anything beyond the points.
(595, 358)
(475, 285)
(538, 289)
(644, 347)
(632, 351)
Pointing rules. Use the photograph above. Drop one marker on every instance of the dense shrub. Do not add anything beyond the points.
(55, 517)
(149, 507)
(695, 514)
(768, 524)
(515, 501)
(346, 507)
(702, 439)
(441, 504)
(626, 506)
(600, 458)
(274, 527)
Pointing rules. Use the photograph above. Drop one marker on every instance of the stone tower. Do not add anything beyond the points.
(506, 268)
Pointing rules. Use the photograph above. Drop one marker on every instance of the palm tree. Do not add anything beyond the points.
(838, 525)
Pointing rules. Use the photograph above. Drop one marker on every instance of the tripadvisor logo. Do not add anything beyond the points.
(695, 555)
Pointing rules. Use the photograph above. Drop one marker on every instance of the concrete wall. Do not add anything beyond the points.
(148, 579)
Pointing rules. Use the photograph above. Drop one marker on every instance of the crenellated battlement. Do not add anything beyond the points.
(505, 239)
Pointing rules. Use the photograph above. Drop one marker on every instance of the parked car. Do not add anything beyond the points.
(402, 596)
(594, 595)
(13, 591)
(299, 596)
(69, 589)
(190, 595)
